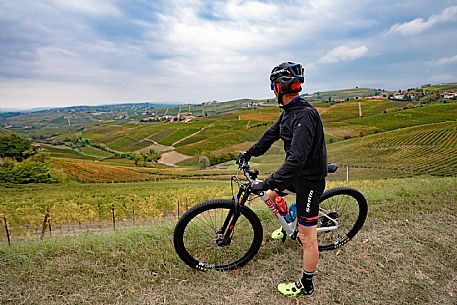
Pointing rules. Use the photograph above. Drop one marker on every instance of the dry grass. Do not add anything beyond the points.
(405, 254)
(92, 171)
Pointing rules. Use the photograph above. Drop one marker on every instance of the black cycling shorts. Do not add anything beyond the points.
(308, 194)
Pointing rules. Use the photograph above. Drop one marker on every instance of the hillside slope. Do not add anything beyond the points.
(426, 149)
(399, 257)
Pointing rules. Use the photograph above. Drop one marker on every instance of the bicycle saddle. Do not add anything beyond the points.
(332, 167)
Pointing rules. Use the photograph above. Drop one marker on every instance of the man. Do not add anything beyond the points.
(304, 169)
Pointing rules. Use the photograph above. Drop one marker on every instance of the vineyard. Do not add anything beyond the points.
(115, 171)
(410, 117)
(427, 149)
(80, 205)
(391, 140)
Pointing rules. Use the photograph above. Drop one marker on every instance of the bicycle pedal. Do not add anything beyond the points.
(294, 235)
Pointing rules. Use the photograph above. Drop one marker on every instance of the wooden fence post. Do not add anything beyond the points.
(7, 232)
(49, 225)
(45, 223)
(114, 219)
(178, 209)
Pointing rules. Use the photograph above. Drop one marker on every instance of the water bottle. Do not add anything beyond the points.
(290, 217)
(281, 205)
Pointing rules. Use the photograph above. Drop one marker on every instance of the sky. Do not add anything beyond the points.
(64, 52)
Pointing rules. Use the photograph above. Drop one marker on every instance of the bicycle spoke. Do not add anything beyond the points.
(200, 237)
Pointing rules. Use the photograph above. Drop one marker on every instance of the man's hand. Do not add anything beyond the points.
(242, 158)
(259, 186)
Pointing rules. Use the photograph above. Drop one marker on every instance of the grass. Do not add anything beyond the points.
(411, 117)
(349, 110)
(94, 152)
(62, 151)
(404, 254)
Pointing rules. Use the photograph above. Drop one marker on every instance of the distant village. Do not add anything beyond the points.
(187, 113)
(412, 94)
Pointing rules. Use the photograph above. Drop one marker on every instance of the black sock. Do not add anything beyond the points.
(307, 281)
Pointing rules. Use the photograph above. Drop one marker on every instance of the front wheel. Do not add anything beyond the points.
(342, 212)
(197, 236)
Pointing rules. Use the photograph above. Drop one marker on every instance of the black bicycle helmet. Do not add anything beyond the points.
(289, 75)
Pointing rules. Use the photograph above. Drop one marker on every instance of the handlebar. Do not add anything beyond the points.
(251, 175)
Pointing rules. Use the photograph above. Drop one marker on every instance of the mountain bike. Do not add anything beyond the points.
(225, 234)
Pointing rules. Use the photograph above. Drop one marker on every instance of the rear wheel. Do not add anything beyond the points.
(342, 211)
(198, 240)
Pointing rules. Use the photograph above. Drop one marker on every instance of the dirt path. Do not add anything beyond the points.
(201, 129)
(154, 146)
(169, 155)
(172, 157)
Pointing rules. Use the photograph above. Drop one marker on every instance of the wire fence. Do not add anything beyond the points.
(49, 230)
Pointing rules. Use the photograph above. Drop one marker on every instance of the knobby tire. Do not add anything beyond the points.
(195, 234)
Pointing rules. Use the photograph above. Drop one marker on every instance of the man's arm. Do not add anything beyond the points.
(302, 141)
(268, 138)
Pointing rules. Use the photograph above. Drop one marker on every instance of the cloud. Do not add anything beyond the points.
(344, 53)
(419, 25)
(443, 61)
(57, 51)
(89, 7)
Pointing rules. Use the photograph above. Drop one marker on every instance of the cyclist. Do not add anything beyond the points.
(304, 169)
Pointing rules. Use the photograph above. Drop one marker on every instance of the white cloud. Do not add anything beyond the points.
(419, 25)
(447, 60)
(194, 50)
(344, 53)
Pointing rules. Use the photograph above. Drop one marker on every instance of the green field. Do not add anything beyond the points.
(410, 117)
(427, 149)
(399, 257)
(343, 94)
(24, 206)
(367, 145)
(447, 86)
(403, 157)
(62, 151)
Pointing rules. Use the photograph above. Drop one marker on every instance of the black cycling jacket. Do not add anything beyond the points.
(300, 127)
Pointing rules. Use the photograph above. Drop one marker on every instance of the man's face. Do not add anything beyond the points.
(275, 90)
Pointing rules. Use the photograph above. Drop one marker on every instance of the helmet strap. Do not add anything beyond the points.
(281, 98)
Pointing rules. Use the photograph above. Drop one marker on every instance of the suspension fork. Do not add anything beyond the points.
(228, 227)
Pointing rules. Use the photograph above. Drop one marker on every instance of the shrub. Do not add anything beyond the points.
(15, 147)
(36, 169)
(221, 158)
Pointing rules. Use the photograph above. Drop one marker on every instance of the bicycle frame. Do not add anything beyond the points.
(290, 228)
(242, 197)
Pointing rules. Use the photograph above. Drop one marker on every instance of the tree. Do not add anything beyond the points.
(203, 162)
(15, 147)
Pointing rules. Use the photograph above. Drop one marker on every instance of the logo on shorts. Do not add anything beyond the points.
(308, 205)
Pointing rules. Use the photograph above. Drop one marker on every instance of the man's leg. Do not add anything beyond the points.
(308, 194)
(308, 237)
